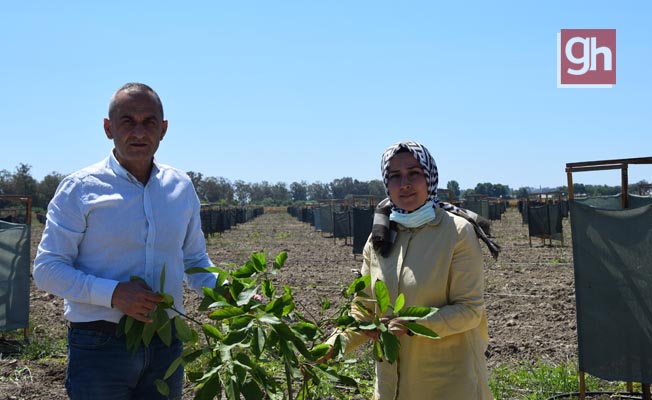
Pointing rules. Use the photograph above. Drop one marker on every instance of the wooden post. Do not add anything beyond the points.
(582, 385)
(624, 199)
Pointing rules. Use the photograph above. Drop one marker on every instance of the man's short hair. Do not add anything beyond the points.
(135, 87)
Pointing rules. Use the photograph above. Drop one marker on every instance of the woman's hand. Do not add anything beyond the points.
(396, 326)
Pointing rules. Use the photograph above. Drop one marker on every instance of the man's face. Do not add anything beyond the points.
(136, 127)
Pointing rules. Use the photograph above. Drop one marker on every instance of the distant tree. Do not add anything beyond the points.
(492, 190)
(23, 183)
(522, 192)
(299, 191)
(46, 188)
(319, 191)
(217, 190)
(280, 194)
(468, 193)
(342, 187)
(197, 181)
(6, 182)
(455, 188)
(242, 192)
(376, 188)
(260, 191)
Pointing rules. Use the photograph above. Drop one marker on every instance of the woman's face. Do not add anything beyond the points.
(406, 182)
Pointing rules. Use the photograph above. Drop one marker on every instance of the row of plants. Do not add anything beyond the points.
(251, 325)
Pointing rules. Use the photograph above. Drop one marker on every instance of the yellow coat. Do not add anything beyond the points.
(437, 265)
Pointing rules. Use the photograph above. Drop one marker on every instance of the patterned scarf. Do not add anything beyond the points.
(384, 231)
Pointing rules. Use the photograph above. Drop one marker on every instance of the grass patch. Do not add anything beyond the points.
(36, 347)
(541, 380)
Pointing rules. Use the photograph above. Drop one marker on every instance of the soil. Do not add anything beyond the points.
(530, 297)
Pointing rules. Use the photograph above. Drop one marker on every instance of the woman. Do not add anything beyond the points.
(433, 257)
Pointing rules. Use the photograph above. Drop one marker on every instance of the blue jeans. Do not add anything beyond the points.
(101, 368)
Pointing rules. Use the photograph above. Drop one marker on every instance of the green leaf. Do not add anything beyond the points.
(399, 303)
(173, 367)
(168, 301)
(226, 312)
(245, 271)
(245, 296)
(269, 319)
(288, 335)
(203, 270)
(134, 278)
(359, 284)
(210, 389)
(241, 323)
(306, 329)
(235, 337)
(259, 261)
(382, 295)
(368, 326)
(268, 289)
(319, 351)
(391, 345)
(414, 313)
(251, 390)
(162, 280)
(258, 342)
(162, 387)
(212, 331)
(378, 351)
(129, 322)
(325, 304)
(165, 333)
(345, 321)
(183, 331)
(148, 332)
(421, 330)
(337, 346)
(280, 260)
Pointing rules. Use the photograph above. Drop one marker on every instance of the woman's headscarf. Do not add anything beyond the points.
(384, 231)
(424, 157)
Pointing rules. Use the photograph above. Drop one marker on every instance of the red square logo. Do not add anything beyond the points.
(586, 58)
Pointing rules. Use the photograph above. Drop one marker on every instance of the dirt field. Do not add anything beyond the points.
(529, 294)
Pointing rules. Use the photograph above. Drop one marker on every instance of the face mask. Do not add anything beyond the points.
(422, 215)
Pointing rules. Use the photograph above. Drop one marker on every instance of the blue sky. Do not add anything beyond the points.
(285, 91)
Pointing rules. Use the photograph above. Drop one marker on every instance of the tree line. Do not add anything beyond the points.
(219, 190)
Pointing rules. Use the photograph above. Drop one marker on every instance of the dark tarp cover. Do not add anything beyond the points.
(363, 220)
(326, 218)
(316, 213)
(14, 275)
(341, 224)
(612, 253)
(480, 207)
(545, 221)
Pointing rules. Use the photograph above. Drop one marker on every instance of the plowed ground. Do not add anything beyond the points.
(529, 294)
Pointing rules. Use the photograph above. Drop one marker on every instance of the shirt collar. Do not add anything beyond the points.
(122, 172)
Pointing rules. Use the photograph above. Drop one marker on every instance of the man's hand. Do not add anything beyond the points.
(135, 299)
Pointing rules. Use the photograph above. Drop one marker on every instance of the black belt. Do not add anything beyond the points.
(107, 327)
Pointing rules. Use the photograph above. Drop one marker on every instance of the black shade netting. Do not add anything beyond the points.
(14, 275)
(341, 224)
(363, 220)
(612, 253)
(326, 218)
(545, 221)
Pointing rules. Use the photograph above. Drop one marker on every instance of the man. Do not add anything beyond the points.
(125, 216)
